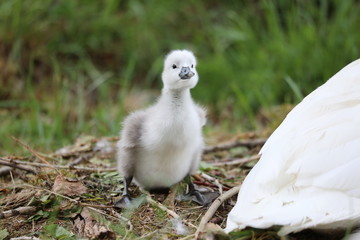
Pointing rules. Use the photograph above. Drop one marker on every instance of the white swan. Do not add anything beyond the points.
(309, 172)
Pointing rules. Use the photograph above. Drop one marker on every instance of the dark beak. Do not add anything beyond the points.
(186, 73)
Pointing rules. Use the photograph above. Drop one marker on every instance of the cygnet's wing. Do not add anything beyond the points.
(202, 114)
(308, 172)
(201, 111)
(129, 142)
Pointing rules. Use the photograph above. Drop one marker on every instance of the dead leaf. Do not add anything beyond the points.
(67, 187)
(87, 226)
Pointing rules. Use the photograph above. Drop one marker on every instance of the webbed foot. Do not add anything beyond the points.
(124, 202)
(203, 198)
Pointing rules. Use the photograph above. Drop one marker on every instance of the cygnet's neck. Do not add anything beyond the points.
(176, 97)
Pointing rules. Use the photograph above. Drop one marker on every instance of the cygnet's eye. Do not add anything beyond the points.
(174, 66)
(192, 65)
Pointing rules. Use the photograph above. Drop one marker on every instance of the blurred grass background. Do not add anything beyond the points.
(77, 67)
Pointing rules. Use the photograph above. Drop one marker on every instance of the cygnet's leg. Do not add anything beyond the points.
(127, 152)
(125, 200)
(199, 197)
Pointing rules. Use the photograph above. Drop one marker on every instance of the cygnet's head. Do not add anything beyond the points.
(180, 70)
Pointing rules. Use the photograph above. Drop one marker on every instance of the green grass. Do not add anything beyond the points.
(68, 66)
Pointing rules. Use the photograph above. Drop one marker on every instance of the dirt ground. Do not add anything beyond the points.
(70, 193)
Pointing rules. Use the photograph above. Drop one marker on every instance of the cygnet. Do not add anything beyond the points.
(162, 145)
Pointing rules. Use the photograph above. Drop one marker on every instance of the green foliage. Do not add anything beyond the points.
(3, 234)
(254, 234)
(68, 66)
(46, 202)
(58, 232)
(50, 209)
(118, 227)
(38, 215)
(111, 178)
(204, 166)
(242, 235)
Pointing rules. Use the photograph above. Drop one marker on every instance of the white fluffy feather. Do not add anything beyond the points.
(162, 144)
(308, 175)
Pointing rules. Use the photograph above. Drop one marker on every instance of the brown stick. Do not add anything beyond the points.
(17, 211)
(80, 159)
(94, 205)
(10, 164)
(25, 238)
(34, 152)
(204, 179)
(237, 143)
(60, 166)
(168, 211)
(110, 139)
(235, 161)
(214, 206)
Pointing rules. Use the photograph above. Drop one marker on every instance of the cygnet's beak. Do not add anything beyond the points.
(186, 73)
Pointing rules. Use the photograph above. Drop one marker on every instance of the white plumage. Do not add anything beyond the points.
(161, 145)
(309, 172)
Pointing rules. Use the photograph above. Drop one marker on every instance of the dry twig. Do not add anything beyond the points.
(213, 180)
(59, 166)
(12, 165)
(235, 161)
(168, 211)
(191, 236)
(110, 139)
(17, 211)
(214, 206)
(90, 206)
(82, 158)
(237, 143)
(33, 152)
(25, 238)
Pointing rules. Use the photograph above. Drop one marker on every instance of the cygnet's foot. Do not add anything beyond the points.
(124, 202)
(199, 197)
(202, 198)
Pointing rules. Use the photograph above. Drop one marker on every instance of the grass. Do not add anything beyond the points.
(68, 66)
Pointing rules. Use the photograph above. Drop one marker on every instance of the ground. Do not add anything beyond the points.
(69, 195)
